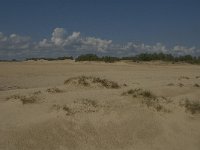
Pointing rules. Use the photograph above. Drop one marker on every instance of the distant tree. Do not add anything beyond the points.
(87, 57)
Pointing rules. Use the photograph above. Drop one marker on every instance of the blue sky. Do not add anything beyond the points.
(149, 22)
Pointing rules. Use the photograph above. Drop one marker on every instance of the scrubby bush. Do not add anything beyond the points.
(166, 57)
(88, 57)
(93, 57)
(50, 59)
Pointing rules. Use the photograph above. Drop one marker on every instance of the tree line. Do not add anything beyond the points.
(137, 58)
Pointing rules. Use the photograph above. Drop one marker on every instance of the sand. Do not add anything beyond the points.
(40, 111)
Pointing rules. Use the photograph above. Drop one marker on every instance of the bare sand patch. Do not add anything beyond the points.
(63, 105)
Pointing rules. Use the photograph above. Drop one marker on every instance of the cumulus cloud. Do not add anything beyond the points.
(62, 43)
(182, 50)
(61, 40)
(14, 42)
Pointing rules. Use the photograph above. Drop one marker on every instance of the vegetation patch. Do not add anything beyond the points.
(37, 92)
(180, 84)
(24, 99)
(79, 106)
(88, 102)
(196, 85)
(88, 81)
(51, 59)
(93, 57)
(183, 77)
(68, 110)
(197, 77)
(54, 90)
(170, 84)
(148, 98)
(138, 92)
(191, 106)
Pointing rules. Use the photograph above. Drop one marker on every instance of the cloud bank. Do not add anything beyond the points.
(60, 43)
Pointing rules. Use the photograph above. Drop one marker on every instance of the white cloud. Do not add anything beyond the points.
(182, 50)
(61, 43)
(74, 41)
(58, 36)
(2, 37)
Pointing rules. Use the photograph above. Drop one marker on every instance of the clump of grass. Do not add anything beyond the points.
(37, 92)
(68, 110)
(183, 77)
(196, 85)
(24, 99)
(54, 90)
(106, 83)
(83, 81)
(170, 84)
(180, 84)
(89, 80)
(148, 94)
(56, 107)
(133, 92)
(192, 106)
(197, 77)
(125, 85)
(84, 105)
(148, 98)
(139, 92)
(29, 100)
(16, 96)
(89, 102)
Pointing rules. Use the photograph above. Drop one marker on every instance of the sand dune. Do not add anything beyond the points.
(63, 105)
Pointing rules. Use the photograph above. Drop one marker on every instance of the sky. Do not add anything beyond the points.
(52, 28)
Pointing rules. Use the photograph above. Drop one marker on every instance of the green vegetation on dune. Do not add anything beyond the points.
(142, 57)
(137, 58)
(93, 57)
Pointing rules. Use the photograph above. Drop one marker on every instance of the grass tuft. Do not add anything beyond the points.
(88, 81)
(192, 106)
(196, 85)
(148, 98)
(54, 90)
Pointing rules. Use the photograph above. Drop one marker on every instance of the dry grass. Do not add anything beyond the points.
(197, 77)
(37, 92)
(138, 92)
(68, 110)
(183, 77)
(89, 102)
(148, 98)
(54, 90)
(180, 84)
(191, 106)
(196, 85)
(88, 81)
(170, 84)
(24, 99)
(84, 105)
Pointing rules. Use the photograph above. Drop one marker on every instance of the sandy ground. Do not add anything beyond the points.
(39, 112)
